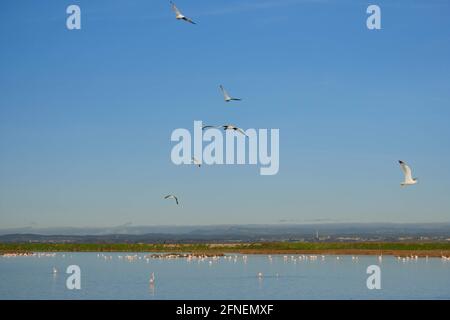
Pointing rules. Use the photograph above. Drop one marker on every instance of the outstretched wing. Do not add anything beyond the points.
(241, 131)
(209, 127)
(171, 196)
(406, 170)
(189, 20)
(225, 94)
(175, 9)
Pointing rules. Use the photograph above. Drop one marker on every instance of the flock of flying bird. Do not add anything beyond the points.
(226, 96)
(408, 178)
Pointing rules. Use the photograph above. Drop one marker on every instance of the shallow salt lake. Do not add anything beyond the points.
(127, 276)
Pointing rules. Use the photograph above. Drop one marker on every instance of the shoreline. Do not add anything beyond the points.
(395, 253)
(361, 248)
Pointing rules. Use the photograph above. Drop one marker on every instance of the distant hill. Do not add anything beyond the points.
(233, 233)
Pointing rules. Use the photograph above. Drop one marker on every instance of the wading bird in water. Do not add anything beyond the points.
(152, 278)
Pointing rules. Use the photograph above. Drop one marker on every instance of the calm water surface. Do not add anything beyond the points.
(113, 276)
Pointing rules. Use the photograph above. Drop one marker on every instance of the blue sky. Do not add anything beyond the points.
(86, 115)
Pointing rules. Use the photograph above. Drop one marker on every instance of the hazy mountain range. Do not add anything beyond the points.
(279, 232)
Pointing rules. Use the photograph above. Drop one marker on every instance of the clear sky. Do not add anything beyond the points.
(86, 115)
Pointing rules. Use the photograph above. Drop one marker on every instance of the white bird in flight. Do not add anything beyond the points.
(196, 162)
(226, 96)
(171, 196)
(409, 180)
(179, 15)
(226, 127)
(231, 127)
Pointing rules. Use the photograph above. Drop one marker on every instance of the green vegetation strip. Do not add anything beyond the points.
(253, 247)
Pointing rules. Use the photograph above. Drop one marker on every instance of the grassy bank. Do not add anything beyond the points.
(386, 248)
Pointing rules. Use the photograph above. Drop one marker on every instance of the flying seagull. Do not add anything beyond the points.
(226, 96)
(196, 162)
(409, 180)
(179, 15)
(231, 127)
(171, 196)
(226, 127)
